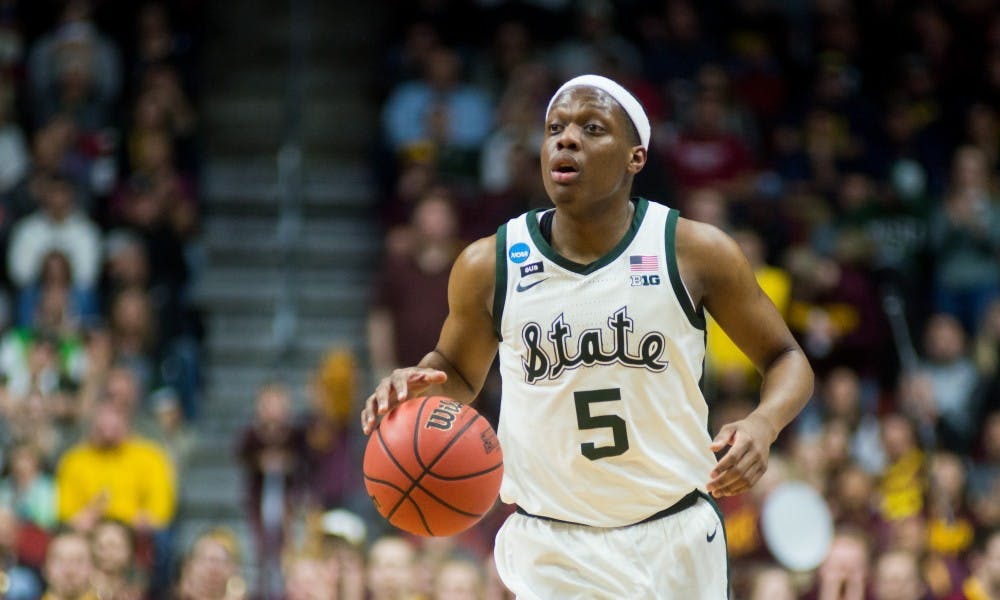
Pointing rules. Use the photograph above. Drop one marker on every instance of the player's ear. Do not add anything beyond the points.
(637, 160)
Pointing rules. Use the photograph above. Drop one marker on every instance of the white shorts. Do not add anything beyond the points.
(679, 556)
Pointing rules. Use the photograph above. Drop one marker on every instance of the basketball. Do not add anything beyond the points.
(433, 466)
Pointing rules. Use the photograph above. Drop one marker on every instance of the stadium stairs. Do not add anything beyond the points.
(289, 234)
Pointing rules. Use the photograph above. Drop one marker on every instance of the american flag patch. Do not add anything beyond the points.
(640, 263)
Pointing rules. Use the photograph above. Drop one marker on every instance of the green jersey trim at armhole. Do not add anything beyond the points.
(500, 283)
(695, 317)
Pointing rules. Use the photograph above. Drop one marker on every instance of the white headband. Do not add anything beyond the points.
(627, 101)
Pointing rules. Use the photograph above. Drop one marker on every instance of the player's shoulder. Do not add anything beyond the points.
(705, 240)
(480, 255)
(708, 252)
(475, 269)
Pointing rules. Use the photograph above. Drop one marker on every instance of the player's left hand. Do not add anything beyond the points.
(749, 442)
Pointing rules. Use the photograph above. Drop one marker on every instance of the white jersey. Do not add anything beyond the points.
(602, 419)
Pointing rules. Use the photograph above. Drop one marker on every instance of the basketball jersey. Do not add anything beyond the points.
(602, 419)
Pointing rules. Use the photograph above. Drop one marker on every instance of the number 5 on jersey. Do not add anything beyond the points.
(585, 420)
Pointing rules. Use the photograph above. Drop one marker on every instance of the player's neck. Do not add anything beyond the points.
(584, 238)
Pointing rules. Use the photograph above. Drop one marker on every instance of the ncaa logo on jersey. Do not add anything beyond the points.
(644, 280)
(519, 252)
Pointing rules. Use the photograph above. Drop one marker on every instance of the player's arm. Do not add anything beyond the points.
(458, 365)
(724, 283)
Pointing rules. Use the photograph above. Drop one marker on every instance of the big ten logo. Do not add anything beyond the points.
(490, 442)
(643, 280)
(443, 416)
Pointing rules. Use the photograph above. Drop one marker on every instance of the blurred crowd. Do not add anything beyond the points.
(851, 148)
(99, 341)
(853, 151)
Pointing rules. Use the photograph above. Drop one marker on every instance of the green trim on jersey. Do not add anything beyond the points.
(725, 539)
(695, 317)
(500, 284)
(546, 249)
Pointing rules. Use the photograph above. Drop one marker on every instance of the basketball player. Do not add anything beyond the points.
(598, 309)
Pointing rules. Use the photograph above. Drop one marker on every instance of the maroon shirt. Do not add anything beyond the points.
(417, 302)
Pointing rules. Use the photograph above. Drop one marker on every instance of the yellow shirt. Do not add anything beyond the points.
(85, 596)
(902, 487)
(136, 478)
(722, 355)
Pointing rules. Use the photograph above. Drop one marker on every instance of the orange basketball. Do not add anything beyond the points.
(433, 466)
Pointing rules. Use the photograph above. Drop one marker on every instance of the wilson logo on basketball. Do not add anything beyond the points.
(443, 416)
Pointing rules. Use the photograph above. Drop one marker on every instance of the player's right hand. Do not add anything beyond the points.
(397, 387)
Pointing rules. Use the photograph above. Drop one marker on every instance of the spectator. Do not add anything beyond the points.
(438, 112)
(950, 528)
(845, 571)
(157, 40)
(57, 225)
(134, 336)
(31, 421)
(897, 577)
(44, 364)
(171, 429)
(595, 38)
(14, 157)
(519, 104)
(328, 441)
(211, 571)
(417, 263)
(836, 314)
(676, 47)
(122, 388)
(308, 577)
(391, 564)
(706, 154)
(69, 568)
(163, 107)
(157, 197)
(986, 353)
(115, 574)
(458, 579)
(56, 277)
(773, 583)
(75, 69)
(117, 475)
(271, 450)
(982, 129)
(902, 486)
(28, 489)
(965, 238)
(54, 150)
(850, 497)
(952, 376)
(984, 478)
(22, 584)
(985, 579)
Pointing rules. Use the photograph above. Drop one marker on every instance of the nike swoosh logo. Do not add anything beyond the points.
(523, 288)
(710, 537)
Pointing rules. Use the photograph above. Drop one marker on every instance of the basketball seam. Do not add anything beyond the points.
(384, 482)
(469, 475)
(420, 514)
(416, 434)
(447, 505)
(392, 457)
(416, 482)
